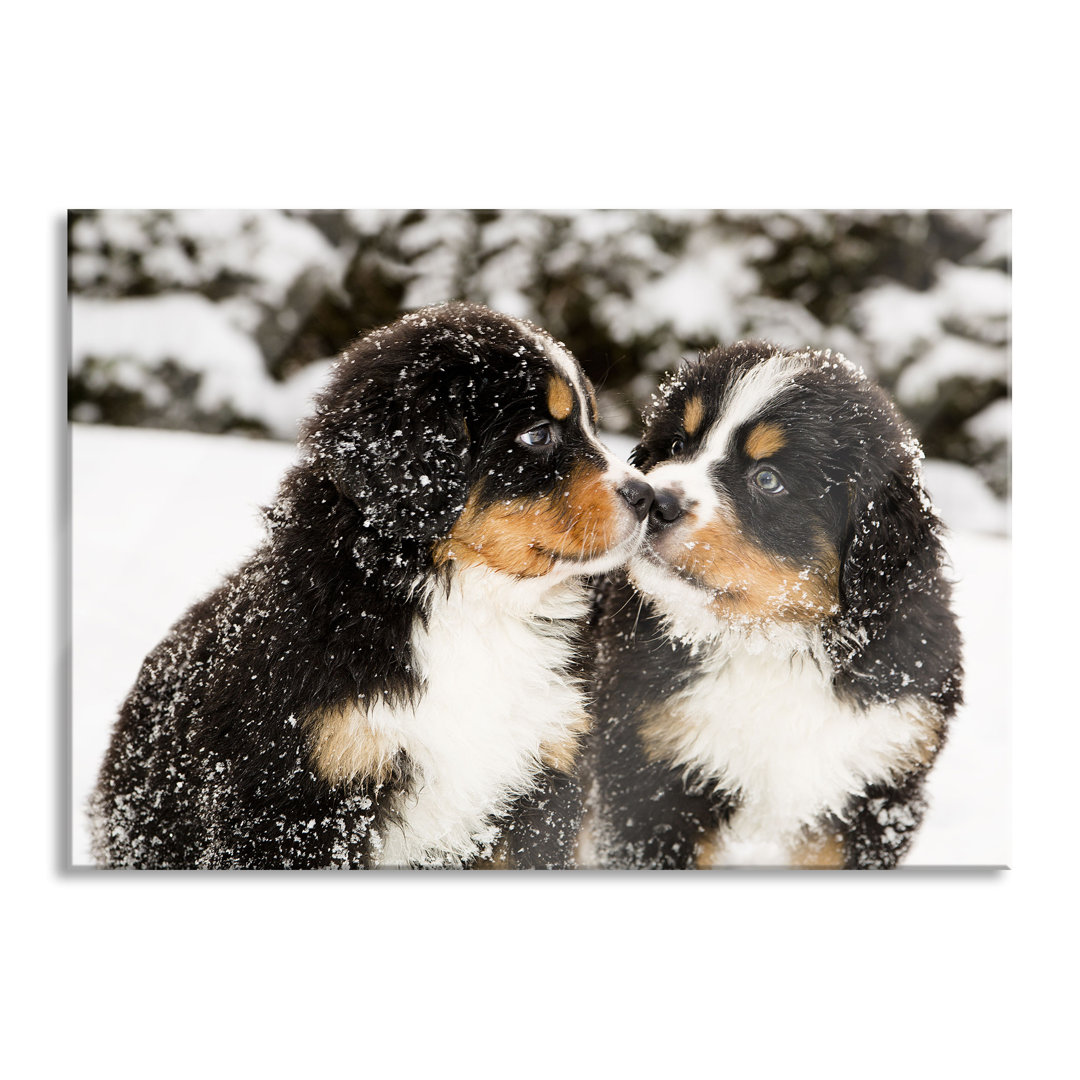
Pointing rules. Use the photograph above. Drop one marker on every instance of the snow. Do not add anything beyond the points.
(950, 357)
(159, 517)
(434, 243)
(974, 293)
(969, 790)
(245, 281)
(959, 326)
(998, 243)
(267, 246)
(696, 296)
(896, 320)
(993, 424)
(959, 494)
(202, 336)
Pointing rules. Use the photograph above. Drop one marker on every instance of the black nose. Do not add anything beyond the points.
(639, 495)
(666, 508)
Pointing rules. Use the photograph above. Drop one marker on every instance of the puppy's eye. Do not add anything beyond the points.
(537, 436)
(768, 480)
(678, 445)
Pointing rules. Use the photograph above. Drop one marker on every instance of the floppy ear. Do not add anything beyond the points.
(891, 550)
(401, 458)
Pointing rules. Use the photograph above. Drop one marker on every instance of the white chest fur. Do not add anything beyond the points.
(764, 722)
(495, 696)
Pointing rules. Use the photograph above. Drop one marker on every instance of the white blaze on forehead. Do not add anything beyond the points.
(690, 479)
(748, 398)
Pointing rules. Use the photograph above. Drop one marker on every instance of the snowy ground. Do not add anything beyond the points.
(158, 518)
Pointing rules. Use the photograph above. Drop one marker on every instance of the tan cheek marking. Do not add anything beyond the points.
(589, 514)
(343, 746)
(560, 398)
(693, 414)
(765, 440)
(751, 582)
(524, 537)
(495, 536)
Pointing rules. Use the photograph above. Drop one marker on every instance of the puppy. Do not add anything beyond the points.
(391, 679)
(776, 677)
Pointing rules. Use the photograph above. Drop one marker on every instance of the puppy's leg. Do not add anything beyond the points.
(646, 819)
(544, 826)
(882, 822)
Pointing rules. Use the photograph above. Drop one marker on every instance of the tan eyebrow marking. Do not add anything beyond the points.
(560, 398)
(693, 414)
(764, 440)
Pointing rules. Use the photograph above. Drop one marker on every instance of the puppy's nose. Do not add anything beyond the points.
(639, 495)
(666, 508)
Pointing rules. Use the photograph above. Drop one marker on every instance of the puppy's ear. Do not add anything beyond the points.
(891, 550)
(400, 457)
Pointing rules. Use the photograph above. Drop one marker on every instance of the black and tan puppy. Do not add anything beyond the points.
(390, 680)
(776, 676)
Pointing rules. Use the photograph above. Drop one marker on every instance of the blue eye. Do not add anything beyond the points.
(768, 480)
(539, 435)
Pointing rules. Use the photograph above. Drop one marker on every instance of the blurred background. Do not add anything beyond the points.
(225, 321)
(198, 338)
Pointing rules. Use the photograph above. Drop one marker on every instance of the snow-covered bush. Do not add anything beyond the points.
(224, 320)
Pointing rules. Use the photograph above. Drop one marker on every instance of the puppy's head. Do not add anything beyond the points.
(786, 489)
(463, 436)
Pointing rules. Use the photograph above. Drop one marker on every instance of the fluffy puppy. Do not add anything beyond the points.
(390, 680)
(775, 678)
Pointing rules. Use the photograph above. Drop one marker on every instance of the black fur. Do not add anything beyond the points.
(646, 814)
(209, 763)
(849, 464)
